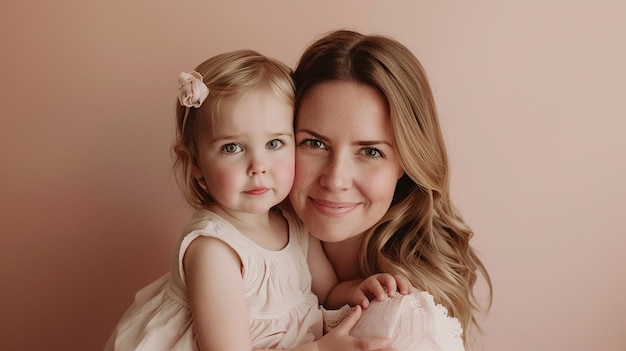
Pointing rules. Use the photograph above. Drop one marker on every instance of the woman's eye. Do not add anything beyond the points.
(313, 143)
(373, 152)
(231, 148)
(274, 144)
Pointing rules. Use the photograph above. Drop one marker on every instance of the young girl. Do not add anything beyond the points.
(239, 279)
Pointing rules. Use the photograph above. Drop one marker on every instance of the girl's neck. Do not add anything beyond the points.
(344, 256)
(268, 229)
(242, 219)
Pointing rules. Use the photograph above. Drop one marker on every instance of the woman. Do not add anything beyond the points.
(372, 183)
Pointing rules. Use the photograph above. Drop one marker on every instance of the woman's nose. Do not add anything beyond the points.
(336, 174)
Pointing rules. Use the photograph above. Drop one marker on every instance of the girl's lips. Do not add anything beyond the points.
(331, 208)
(256, 191)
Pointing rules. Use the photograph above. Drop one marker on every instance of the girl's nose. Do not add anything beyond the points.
(257, 166)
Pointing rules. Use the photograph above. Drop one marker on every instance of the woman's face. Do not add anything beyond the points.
(347, 165)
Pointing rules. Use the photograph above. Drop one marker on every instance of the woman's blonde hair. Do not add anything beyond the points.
(231, 74)
(422, 236)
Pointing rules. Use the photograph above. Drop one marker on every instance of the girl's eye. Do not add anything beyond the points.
(231, 148)
(373, 152)
(313, 143)
(274, 144)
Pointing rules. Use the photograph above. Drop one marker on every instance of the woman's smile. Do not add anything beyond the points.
(333, 208)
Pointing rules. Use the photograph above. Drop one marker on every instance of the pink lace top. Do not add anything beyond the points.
(412, 322)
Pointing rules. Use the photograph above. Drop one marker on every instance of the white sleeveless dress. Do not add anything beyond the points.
(283, 310)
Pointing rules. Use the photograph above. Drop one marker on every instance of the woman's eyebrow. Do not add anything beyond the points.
(359, 142)
(308, 131)
(373, 142)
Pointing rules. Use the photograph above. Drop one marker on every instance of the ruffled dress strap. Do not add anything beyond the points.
(206, 223)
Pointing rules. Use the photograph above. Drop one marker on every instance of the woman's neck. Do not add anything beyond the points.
(344, 256)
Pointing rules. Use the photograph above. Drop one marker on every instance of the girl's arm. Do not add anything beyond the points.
(216, 295)
(334, 294)
(361, 291)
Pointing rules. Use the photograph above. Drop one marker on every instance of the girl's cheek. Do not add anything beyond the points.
(305, 170)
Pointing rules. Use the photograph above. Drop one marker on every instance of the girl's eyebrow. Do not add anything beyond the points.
(219, 138)
(225, 137)
(285, 133)
(360, 142)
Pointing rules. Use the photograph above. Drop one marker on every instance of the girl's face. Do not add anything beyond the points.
(347, 165)
(247, 161)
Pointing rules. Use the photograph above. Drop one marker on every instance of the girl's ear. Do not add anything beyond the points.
(196, 172)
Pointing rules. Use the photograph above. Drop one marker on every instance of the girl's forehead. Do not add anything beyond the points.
(261, 111)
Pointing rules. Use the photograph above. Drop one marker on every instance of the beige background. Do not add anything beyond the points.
(531, 100)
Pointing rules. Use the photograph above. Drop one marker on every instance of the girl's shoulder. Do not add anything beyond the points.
(204, 219)
(208, 223)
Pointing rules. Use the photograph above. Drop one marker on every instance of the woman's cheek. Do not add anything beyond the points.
(381, 185)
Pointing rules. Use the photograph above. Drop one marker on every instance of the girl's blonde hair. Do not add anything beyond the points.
(422, 236)
(231, 74)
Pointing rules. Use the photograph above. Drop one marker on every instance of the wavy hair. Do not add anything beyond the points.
(422, 236)
(231, 74)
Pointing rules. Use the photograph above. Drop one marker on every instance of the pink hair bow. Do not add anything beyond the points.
(192, 90)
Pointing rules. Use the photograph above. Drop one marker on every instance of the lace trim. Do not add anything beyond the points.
(421, 300)
(456, 330)
(332, 318)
